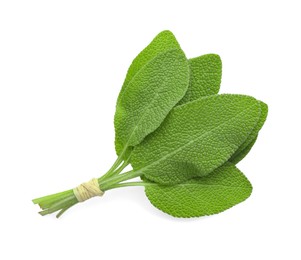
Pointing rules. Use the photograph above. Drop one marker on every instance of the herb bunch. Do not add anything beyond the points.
(179, 135)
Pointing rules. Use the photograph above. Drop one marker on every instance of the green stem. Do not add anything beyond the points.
(50, 197)
(59, 205)
(105, 185)
(114, 170)
(65, 209)
(118, 170)
(121, 168)
(130, 184)
(62, 201)
(118, 161)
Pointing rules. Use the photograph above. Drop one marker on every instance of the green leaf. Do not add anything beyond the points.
(245, 148)
(237, 157)
(163, 42)
(149, 97)
(205, 77)
(212, 194)
(196, 138)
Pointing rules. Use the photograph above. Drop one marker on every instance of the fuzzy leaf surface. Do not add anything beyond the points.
(196, 138)
(201, 196)
(245, 148)
(163, 42)
(205, 77)
(242, 154)
(149, 97)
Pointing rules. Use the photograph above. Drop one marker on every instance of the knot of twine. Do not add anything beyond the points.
(87, 190)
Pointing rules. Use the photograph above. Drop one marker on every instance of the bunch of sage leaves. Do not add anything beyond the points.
(180, 136)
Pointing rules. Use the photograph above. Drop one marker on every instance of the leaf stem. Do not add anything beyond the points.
(130, 184)
(116, 168)
(106, 184)
(62, 201)
(59, 205)
(65, 209)
(118, 161)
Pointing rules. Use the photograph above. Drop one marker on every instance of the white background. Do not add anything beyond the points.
(62, 64)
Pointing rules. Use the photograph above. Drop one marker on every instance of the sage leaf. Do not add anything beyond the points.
(205, 77)
(212, 194)
(245, 148)
(163, 42)
(205, 80)
(196, 138)
(149, 97)
(237, 157)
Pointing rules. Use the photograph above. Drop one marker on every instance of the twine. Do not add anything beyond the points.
(87, 190)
